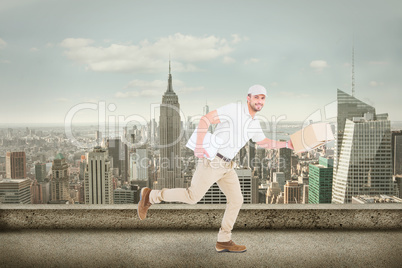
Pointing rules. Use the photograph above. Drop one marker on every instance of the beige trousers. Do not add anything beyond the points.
(206, 173)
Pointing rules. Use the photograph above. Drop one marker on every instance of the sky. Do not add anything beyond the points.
(73, 60)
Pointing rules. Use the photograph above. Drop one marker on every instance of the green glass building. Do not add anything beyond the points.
(320, 181)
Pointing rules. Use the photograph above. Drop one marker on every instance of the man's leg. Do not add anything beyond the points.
(230, 186)
(205, 175)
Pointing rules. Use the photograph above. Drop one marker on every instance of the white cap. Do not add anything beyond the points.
(257, 90)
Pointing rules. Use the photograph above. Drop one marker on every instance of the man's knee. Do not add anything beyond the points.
(193, 197)
(194, 200)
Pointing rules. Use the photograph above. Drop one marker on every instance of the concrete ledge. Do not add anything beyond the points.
(180, 216)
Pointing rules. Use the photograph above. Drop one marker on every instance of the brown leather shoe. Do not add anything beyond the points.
(229, 247)
(144, 203)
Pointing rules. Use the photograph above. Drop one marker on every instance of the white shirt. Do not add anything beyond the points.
(236, 128)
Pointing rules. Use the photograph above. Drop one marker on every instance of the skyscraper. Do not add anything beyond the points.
(292, 192)
(305, 194)
(285, 162)
(98, 184)
(279, 177)
(397, 152)
(127, 195)
(143, 165)
(348, 107)
(98, 137)
(247, 155)
(15, 191)
(205, 110)
(40, 192)
(153, 132)
(36, 193)
(82, 168)
(273, 192)
(16, 165)
(119, 153)
(320, 181)
(60, 189)
(40, 172)
(248, 186)
(139, 165)
(170, 129)
(398, 185)
(2, 166)
(363, 157)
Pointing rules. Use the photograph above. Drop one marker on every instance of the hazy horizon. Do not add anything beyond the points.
(55, 55)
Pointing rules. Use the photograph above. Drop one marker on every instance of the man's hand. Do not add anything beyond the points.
(200, 152)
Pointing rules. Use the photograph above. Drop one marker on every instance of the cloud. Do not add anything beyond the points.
(3, 44)
(147, 56)
(375, 83)
(154, 88)
(49, 45)
(319, 65)
(5, 61)
(75, 43)
(251, 60)
(228, 60)
(34, 49)
(237, 38)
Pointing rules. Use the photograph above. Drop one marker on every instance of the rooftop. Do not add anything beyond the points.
(8, 180)
(196, 248)
(175, 235)
(59, 156)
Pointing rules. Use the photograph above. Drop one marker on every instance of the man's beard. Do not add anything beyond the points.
(255, 109)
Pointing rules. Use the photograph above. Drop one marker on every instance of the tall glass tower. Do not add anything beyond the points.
(98, 184)
(60, 184)
(169, 134)
(348, 107)
(363, 156)
(320, 181)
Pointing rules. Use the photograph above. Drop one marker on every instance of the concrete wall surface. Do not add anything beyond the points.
(181, 216)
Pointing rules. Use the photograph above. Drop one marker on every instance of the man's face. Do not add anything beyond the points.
(256, 102)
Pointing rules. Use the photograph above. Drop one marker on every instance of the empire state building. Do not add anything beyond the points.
(169, 133)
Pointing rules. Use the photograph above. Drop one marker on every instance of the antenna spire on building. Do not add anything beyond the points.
(170, 86)
(353, 68)
(169, 65)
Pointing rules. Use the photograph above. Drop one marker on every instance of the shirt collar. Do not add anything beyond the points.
(247, 112)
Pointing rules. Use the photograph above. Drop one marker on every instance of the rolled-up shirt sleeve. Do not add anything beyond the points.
(226, 112)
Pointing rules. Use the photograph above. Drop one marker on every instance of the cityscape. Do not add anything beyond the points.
(41, 165)
(101, 102)
(95, 109)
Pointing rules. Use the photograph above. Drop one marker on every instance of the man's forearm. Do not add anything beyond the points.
(203, 126)
(272, 144)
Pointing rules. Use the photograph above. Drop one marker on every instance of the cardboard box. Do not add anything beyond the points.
(311, 137)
